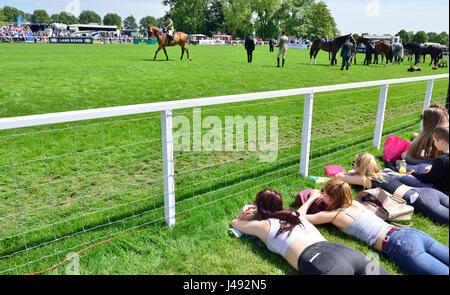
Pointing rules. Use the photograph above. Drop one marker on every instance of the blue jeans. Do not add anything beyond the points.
(431, 203)
(417, 253)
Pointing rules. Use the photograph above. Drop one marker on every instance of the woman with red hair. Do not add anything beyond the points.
(286, 232)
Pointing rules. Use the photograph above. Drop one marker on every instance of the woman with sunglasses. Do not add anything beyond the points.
(286, 232)
(414, 251)
(428, 201)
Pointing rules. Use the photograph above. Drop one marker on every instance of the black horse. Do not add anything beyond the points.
(435, 51)
(332, 46)
(414, 48)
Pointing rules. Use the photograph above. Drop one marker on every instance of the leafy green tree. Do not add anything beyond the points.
(266, 24)
(64, 17)
(322, 24)
(442, 38)
(215, 17)
(238, 15)
(40, 16)
(147, 21)
(130, 23)
(432, 36)
(11, 13)
(292, 17)
(2, 17)
(188, 15)
(420, 37)
(112, 19)
(89, 17)
(405, 36)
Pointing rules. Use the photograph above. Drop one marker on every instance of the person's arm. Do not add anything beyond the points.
(320, 217)
(249, 227)
(314, 195)
(433, 175)
(353, 178)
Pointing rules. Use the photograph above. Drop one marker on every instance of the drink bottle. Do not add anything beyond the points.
(402, 169)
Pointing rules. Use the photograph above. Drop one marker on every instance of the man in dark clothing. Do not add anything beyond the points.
(271, 44)
(249, 46)
(369, 49)
(438, 175)
(346, 53)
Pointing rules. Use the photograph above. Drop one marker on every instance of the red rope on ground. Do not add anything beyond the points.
(78, 253)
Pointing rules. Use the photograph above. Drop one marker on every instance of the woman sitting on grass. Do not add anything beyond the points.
(427, 201)
(414, 251)
(286, 232)
(422, 150)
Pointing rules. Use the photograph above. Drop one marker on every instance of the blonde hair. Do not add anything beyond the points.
(368, 167)
(340, 194)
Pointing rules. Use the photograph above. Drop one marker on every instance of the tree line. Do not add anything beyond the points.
(266, 18)
(308, 19)
(424, 37)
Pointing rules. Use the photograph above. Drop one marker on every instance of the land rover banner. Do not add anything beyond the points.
(72, 40)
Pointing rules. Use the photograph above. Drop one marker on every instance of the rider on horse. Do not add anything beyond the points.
(169, 28)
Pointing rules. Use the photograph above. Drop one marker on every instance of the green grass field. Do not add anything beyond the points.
(69, 186)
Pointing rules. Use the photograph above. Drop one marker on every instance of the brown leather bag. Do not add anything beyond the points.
(386, 206)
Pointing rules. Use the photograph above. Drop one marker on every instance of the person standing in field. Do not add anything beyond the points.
(283, 47)
(249, 47)
(271, 44)
(346, 53)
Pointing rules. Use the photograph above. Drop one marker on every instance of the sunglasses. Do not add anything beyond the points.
(353, 163)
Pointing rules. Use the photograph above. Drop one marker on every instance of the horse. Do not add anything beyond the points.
(179, 38)
(434, 50)
(397, 52)
(413, 48)
(332, 46)
(385, 48)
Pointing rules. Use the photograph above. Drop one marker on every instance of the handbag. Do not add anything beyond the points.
(394, 147)
(385, 205)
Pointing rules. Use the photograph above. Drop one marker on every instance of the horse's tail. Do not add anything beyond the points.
(312, 49)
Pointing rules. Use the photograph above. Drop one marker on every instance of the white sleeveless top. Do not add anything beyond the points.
(279, 244)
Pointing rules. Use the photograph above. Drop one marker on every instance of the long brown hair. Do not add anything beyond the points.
(340, 194)
(269, 204)
(431, 117)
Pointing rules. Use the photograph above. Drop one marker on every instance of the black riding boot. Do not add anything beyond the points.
(278, 59)
(283, 62)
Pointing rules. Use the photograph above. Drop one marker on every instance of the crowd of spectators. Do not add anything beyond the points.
(15, 33)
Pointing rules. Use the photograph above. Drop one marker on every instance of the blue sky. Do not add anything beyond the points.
(351, 16)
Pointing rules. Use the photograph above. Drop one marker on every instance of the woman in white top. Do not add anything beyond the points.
(286, 232)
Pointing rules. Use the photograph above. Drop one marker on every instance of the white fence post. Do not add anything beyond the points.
(306, 133)
(380, 115)
(168, 167)
(428, 96)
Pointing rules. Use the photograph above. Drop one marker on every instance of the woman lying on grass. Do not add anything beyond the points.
(427, 201)
(286, 232)
(414, 251)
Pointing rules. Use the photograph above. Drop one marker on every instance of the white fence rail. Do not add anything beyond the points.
(166, 109)
(75, 182)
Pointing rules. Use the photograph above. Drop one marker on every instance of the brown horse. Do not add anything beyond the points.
(179, 38)
(385, 48)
